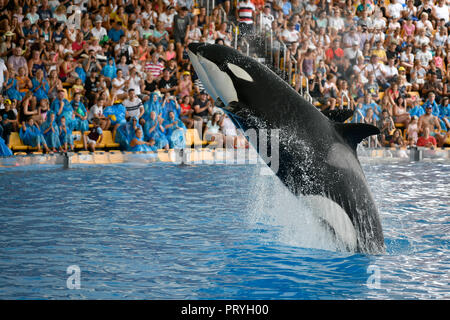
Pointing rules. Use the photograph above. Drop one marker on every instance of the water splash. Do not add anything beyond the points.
(289, 218)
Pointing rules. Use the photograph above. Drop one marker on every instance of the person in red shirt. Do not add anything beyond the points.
(186, 112)
(79, 46)
(334, 52)
(426, 140)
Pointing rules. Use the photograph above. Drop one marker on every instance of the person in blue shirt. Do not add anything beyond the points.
(138, 143)
(116, 32)
(154, 130)
(40, 86)
(153, 104)
(170, 104)
(175, 130)
(110, 70)
(4, 150)
(65, 136)
(286, 7)
(31, 135)
(431, 101)
(81, 114)
(359, 114)
(444, 114)
(62, 107)
(12, 87)
(50, 132)
(369, 103)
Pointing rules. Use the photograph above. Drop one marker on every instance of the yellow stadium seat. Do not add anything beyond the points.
(108, 140)
(78, 143)
(15, 143)
(192, 138)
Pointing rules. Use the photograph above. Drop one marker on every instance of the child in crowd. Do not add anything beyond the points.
(94, 137)
(31, 135)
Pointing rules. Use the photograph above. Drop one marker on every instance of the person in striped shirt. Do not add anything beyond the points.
(155, 67)
(245, 13)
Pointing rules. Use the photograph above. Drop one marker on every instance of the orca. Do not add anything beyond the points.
(317, 156)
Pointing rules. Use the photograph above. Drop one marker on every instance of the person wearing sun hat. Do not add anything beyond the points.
(9, 34)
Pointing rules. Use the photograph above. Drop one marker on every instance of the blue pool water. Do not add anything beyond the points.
(213, 232)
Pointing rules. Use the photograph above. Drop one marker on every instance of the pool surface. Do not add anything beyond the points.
(162, 231)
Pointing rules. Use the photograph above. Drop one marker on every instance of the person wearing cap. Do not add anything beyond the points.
(353, 53)
(98, 31)
(267, 18)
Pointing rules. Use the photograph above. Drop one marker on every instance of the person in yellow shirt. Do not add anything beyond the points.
(379, 51)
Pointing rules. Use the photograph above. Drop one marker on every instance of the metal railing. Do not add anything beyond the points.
(345, 95)
(210, 4)
(223, 13)
(247, 45)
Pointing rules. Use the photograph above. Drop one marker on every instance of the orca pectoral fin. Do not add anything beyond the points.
(354, 133)
(338, 115)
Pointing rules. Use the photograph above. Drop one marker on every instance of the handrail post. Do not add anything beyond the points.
(284, 59)
(344, 95)
(271, 47)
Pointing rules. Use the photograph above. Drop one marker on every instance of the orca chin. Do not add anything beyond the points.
(317, 156)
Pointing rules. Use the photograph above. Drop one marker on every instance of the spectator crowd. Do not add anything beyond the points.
(386, 60)
(92, 66)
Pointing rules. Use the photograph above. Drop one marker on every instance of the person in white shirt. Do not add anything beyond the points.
(394, 10)
(390, 70)
(379, 22)
(98, 31)
(441, 11)
(290, 35)
(119, 85)
(424, 55)
(3, 73)
(135, 82)
(267, 18)
(167, 17)
(336, 21)
(352, 53)
(424, 23)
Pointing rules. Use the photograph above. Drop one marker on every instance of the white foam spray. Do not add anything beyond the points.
(289, 218)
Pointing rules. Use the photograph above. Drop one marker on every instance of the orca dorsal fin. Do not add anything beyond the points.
(354, 133)
(338, 115)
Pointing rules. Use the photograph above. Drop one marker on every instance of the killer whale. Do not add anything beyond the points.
(317, 156)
